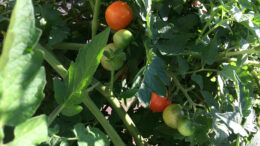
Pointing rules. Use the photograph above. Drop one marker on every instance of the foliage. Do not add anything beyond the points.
(53, 91)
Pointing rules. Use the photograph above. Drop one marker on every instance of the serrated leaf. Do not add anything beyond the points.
(31, 132)
(244, 101)
(210, 53)
(198, 79)
(228, 118)
(155, 79)
(227, 72)
(22, 79)
(174, 45)
(81, 71)
(255, 141)
(144, 95)
(90, 136)
(221, 133)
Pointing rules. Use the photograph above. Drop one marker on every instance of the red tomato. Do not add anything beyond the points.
(118, 15)
(158, 103)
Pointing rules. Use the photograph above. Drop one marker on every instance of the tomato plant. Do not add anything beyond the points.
(118, 15)
(84, 72)
(158, 103)
(172, 114)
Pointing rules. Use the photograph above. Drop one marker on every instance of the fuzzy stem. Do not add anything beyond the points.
(51, 59)
(108, 128)
(55, 113)
(69, 46)
(95, 18)
(112, 80)
(130, 125)
(1, 134)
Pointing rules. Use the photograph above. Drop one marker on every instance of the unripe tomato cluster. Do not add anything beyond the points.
(118, 16)
(173, 115)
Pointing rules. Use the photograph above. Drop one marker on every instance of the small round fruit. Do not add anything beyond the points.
(172, 114)
(158, 103)
(185, 127)
(118, 15)
(122, 38)
(111, 65)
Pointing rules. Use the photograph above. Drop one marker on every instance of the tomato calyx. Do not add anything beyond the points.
(112, 58)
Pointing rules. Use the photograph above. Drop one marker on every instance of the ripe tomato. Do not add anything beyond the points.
(172, 114)
(185, 127)
(158, 103)
(118, 15)
(111, 64)
(122, 38)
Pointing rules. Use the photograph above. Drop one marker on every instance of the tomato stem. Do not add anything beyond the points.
(95, 18)
(116, 139)
(51, 59)
(130, 125)
(69, 46)
(55, 113)
(1, 134)
(112, 80)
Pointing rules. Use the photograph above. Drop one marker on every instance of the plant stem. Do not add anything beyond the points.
(112, 80)
(183, 90)
(202, 69)
(95, 18)
(55, 113)
(130, 125)
(51, 59)
(1, 134)
(237, 141)
(69, 139)
(69, 46)
(102, 120)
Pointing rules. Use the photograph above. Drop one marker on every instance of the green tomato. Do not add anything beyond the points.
(172, 114)
(111, 64)
(185, 127)
(122, 38)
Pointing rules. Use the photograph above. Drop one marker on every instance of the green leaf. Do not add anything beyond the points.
(227, 72)
(210, 53)
(64, 143)
(31, 132)
(81, 71)
(71, 110)
(255, 140)
(58, 34)
(232, 121)
(183, 65)
(22, 79)
(59, 89)
(198, 79)
(90, 136)
(175, 45)
(244, 101)
(155, 79)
